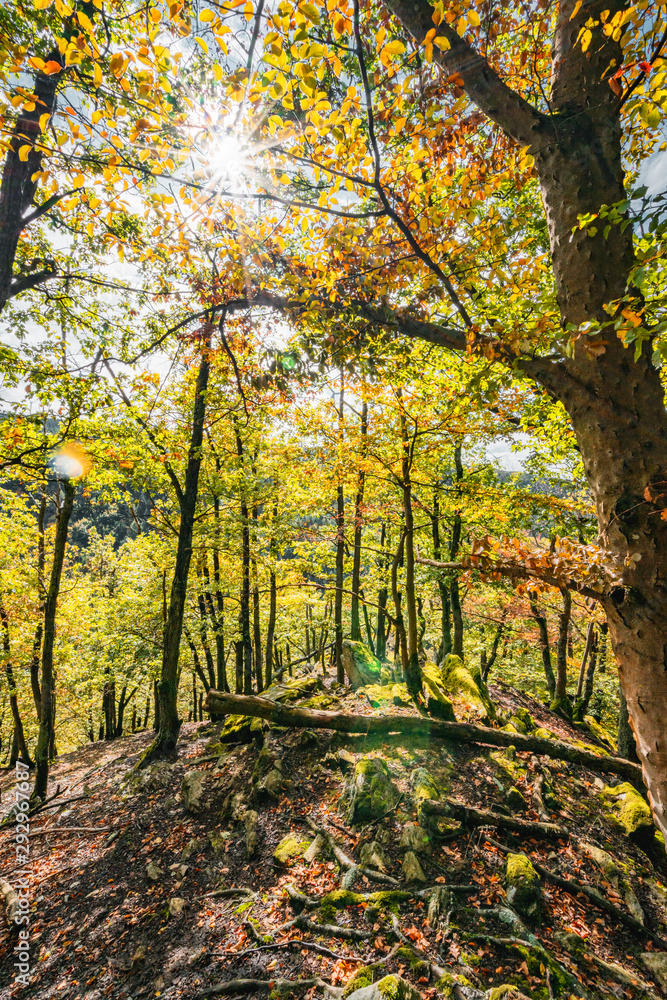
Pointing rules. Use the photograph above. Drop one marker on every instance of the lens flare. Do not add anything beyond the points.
(71, 462)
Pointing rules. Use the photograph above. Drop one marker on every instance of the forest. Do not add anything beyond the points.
(333, 499)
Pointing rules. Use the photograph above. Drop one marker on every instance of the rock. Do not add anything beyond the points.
(360, 665)
(389, 988)
(192, 791)
(370, 791)
(267, 775)
(400, 696)
(523, 887)
(386, 674)
(630, 811)
(614, 874)
(377, 694)
(289, 849)
(515, 800)
(601, 733)
(153, 871)
(346, 760)
(467, 683)
(251, 820)
(507, 992)
(656, 963)
(176, 906)
(412, 870)
(196, 955)
(373, 856)
(545, 734)
(438, 703)
(192, 847)
(414, 838)
(523, 716)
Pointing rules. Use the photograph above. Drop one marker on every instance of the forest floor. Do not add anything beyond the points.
(126, 907)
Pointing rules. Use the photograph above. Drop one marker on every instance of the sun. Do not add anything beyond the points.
(229, 160)
(71, 461)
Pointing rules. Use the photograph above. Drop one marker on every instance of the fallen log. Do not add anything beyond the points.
(222, 703)
(471, 816)
(281, 986)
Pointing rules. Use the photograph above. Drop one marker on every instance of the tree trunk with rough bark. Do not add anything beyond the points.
(45, 738)
(41, 590)
(340, 547)
(355, 623)
(445, 647)
(561, 702)
(616, 403)
(244, 605)
(455, 545)
(167, 689)
(411, 668)
(544, 645)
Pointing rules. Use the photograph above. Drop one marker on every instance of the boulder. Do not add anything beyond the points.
(370, 791)
(251, 821)
(192, 791)
(438, 703)
(360, 665)
(414, 838)
(656, 963)
(389, 988)
(515, 800)
(373, 856)
(523, 887)
(267, 776)
(412, 870)
(176, 906)
(289, 849)
(466, 683)
(630, 811)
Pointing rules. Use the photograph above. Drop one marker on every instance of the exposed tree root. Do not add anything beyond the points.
(462, 732)
(298, 943)
(533, 944)
(595, 897)
(471, 816)
(351, 866)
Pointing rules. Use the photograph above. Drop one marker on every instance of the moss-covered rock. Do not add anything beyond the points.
(361, 667)
(373, 856)
(545, 734)
(629, 810)
(515, 800)
(399, 695)
(412, 870)
(192, 791)
(377, 694)
(601, 733)
(438, 703)
(289, 849)
(388, 988)
(415, 838)
(506, 992)
(523, 887)
(370, 790)
(467, 683)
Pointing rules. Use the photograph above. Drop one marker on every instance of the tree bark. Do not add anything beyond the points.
(400, 640)
(41, 590)
(355, 623)
(626, 740)
(19, 740)
(340, 542)
(271, 627)
(45, 738)
(381, 637)
(413, 725)
(454, 594)
(170, 723)
(445, 647)
(544, 645)
(244, 607)
(561, 701)
(413, 677)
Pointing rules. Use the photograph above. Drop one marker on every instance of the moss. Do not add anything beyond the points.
(506, 760)
(545, 734)
(437, 701)
(361, 666)
(377, 694)
(601, 733)
(395, 988)
(526, 718)
(630, 810)
(388, 899)
(418, 967)
(536, 959)
(515, 799)
(363, 977)
(371, 792)
(399, 695)
(460, 680)
(523, 886)
(289, 848)
(386, 675)
(340, 898)
(470, 959)
(445, 986)
(321, 701)
(237, 729)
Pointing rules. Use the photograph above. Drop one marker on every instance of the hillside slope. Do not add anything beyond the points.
(205, 875)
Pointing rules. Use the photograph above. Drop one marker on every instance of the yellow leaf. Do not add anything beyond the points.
(156, 16)
(442, 43)
(97, 75)
(78, 181)
(51, 67)
(395, 48)
(217, 71)
(202, 44)
(311, 12)
(85, 22)
(36, 62)
(206, 16)
(279, 86)
(23, 152)
(473, 18)
(43, 121)
(96, 117)
(41, 4)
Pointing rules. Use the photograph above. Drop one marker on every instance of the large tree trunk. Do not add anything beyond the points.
(381, 634)
(169, 721)
(355, 623)
(45, 738)
(271, 626)
(445, 647)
